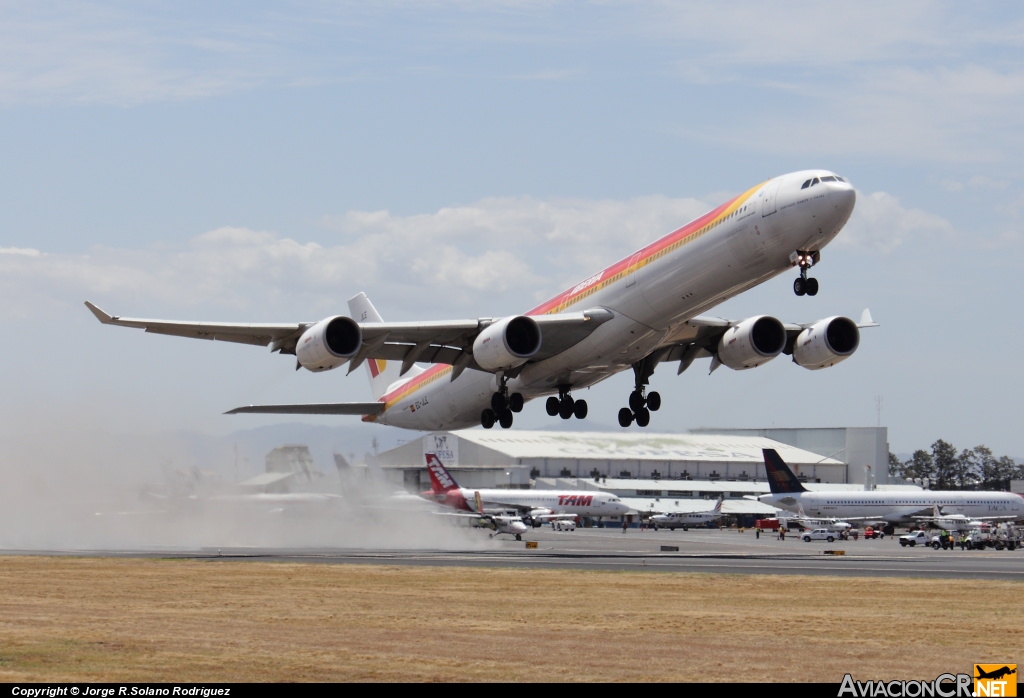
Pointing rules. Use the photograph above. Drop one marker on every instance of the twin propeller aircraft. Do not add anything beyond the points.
(638, 313)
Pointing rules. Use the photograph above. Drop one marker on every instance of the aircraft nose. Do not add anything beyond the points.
(843, 198)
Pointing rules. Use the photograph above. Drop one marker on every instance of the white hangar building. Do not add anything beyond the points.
(651, 472)
(514, 458)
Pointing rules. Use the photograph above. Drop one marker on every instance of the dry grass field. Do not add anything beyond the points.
(83, 619)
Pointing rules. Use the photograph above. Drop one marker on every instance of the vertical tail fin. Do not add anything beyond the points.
(718, 507)
(780, 478)
(382, 373)
(440, 480)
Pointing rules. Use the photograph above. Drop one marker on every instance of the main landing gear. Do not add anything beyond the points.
(802, 285)
(641, 403)
(503, 404)
(564, 406)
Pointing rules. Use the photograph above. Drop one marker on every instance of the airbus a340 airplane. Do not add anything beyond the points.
(639, 312)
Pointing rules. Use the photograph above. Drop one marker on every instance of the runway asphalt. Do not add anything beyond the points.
(715, 551)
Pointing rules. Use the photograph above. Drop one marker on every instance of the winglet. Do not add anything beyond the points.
(865, 319)
(100, 315)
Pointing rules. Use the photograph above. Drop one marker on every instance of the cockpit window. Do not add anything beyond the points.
(806, 184)
(829, 178)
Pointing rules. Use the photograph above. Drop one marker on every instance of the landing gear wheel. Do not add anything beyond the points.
(552, 406)
(498, 403)
(654, 402)
(636, 401)
(518, 537)
(579, 409)
(812, 287)
(625, 417)
(565, 408)
(505, 420)
(487, 419)
(799, 286)
(643, 417)
(515, 402)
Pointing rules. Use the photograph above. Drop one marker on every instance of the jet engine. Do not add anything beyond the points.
(755, 341)
(329, 343)
(507, 343)
(826, 343)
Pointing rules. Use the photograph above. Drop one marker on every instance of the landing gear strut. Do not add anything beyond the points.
(641, 403)
(503, 404)
(803, 285)
(564, 406)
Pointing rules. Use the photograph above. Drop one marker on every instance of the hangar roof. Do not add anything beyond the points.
(585, 445)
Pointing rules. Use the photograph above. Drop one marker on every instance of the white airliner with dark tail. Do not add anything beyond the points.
(638, 313)
(876, 505)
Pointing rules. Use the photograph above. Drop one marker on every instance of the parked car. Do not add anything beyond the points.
(564, 525)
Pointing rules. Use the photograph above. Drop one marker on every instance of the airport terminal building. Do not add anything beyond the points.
(651, 472)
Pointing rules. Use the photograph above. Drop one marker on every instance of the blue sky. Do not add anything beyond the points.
(265, 162)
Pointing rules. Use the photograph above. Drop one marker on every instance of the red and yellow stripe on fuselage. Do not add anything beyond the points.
(598, 282)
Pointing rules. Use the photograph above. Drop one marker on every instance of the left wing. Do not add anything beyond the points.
(702, 337)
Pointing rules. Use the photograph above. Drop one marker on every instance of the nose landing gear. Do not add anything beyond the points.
(803, 285)
(503, 404)
(564, 406)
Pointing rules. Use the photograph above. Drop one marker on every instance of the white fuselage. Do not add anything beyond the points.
(577, 503)
(678, 520)
(897, 506)
(651, 293)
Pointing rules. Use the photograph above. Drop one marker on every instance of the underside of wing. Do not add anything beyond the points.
(282, 337)
(341, 340)
(353, 408)
(751, 342)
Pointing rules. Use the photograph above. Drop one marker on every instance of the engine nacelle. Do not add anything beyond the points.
(329, 343)
(826, 343)
(755, 341)
(507, 343)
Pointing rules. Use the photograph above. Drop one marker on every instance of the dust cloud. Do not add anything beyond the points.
(68, 483)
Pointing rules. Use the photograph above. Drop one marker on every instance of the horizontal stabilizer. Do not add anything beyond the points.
(322, 408)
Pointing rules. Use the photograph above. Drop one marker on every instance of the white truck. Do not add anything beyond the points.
(915, 538)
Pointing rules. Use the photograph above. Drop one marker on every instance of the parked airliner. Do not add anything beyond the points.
(534, 505)
(895, 507)
(637, 313)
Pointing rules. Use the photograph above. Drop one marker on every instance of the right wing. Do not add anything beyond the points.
(354, 408)
(445, 342)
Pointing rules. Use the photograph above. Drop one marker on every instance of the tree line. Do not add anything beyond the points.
(971, 469)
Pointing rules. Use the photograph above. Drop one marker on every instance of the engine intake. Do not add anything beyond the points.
(826, 343)
(329, 343)
(507, 343)
(755, 341)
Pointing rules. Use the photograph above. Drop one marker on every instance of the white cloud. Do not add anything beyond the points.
(24, 251)
(881, 223)
(491, 254)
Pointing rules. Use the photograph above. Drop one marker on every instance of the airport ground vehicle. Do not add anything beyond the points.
(914, 538)
(871, 532)
(819, 534)
(1009, 539)
(563, 525)
(944, 540)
